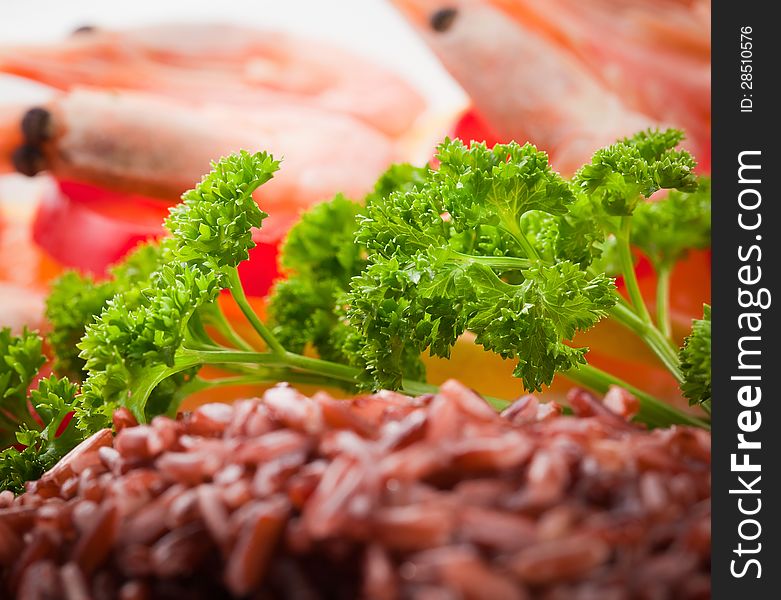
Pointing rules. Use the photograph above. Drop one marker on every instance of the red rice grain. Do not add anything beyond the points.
(381, 497)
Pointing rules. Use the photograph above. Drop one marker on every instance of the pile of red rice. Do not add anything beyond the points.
(381, 497)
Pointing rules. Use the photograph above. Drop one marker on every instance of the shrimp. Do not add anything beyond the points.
(145, 144)
(222, 64)
(568, 75)
(10, 135)
(655, 54)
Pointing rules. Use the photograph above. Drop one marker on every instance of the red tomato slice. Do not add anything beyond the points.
(88, 228)
(471, 126)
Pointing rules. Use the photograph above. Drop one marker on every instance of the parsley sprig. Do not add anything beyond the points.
(492, 241)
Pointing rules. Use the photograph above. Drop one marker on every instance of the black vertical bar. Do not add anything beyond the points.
(745, 120)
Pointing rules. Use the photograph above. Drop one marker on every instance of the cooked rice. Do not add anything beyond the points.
(380, 497)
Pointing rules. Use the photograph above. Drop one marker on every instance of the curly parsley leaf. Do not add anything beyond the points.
(666, 229)
(531, 321)
(321, 255)
(621, 175)
(21, 357)
(29, 448)
(75, 300)
(695, 357)
(402, 177)
(212, 226)
(321, 245)
(477, 247)
(494, 188)
(54, 401)
(390, 318)
(128, 350)
(138, 341)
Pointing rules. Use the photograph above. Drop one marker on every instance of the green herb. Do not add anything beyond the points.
(696, 362)
(321, 257)
(20, 359)
(666, 230)
(75, 300)
(496, 243)
(52, 401)
(492, 241)
(458, 254)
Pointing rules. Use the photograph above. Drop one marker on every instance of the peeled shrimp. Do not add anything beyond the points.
(572, 76)
(222, 64)
(654, 53)
(144, 144)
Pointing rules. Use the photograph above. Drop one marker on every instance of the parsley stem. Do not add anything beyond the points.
(229, 381)
(530, 251)
(323, 367)
(273, 370)
(237, 291)
(639, 320)
(623, 301)
(296, 368)
(652, 337)
(663, 301)
(417, 388)
(220, 357)
(653, 411)
(217, 319)
(199, 384)
(496, 262)
(314, 366)
(628, 270)
(261, 377)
